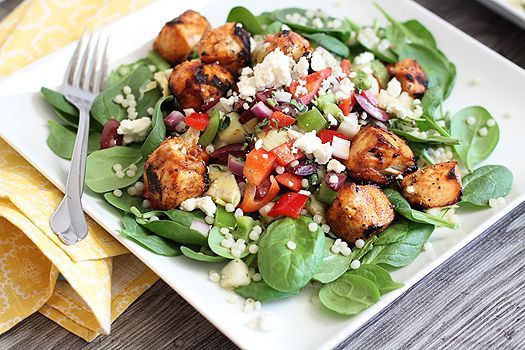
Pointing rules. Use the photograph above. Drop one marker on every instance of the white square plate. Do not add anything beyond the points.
(511, 9)
(23, 124)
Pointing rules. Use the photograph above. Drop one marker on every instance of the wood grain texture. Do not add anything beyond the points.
(473, 301)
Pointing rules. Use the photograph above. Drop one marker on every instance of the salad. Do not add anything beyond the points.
(294, 148)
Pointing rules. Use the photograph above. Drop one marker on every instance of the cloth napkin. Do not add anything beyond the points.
(86, 286)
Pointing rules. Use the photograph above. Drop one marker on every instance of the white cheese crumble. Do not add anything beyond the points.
(300, 70)
(364, 58)
(134, 130)
(368, 37)
(323, 153)
(398, 102)
(205, 204)
(349, 126)
(322, 59)
(335, 166)
(308, 142)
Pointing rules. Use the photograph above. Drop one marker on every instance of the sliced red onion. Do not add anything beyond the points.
(261, 110)
(340, 148)
(236, 165)
(304, 169)
(172, 120)
(262, 190)
(201, 227)
(339, 180)
(110, 136)
(372, 110)
(370, 97)
(220, 156)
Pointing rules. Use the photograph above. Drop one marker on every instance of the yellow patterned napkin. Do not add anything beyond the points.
(99, 278)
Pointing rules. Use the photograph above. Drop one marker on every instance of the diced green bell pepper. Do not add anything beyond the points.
(211, 130)
(311, 120)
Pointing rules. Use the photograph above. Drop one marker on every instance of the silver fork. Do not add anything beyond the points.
(83, 81)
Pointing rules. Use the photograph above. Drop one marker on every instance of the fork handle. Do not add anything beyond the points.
(76, 175)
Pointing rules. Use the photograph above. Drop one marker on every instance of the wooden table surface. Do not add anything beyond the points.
(473, 301)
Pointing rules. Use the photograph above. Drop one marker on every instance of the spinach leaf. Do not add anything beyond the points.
(330, 43)
(434, 139)
(333, 265)
(215, 239)
(185, 218)
(242, 15)
(273, 28)
(379, 276)
(399, 244)
(473, 147)
(262, 292)
(358, 253)
(349, 294)
(419, 31)
(158, 61)
(187, 252)
(342, 32)
(156, 244)
(176, 232)
(59, 102)
(158, 129)
(123, 71)
(100, 176)
(61, 140)
(403, 207)
(124, 202)
(486, 182)
(282, 268)
(104, 108)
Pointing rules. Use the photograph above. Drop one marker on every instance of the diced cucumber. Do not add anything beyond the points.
(311, 120)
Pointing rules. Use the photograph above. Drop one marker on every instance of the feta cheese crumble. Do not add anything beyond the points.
(398, 102)
(205, 204)
(134, 130)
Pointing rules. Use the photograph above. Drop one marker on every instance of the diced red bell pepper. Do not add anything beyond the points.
(258, 166)
(281, 120)
(292, 181)
(345, 65)
(313, 84)
(289, 204)
(198, 121)
(285, 155)
(347, 105)
(250, 204)
(327, 136)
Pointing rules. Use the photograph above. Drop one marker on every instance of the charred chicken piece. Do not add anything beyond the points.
(359, 211)
(411, 76)
(179, 37)
(434, 186)
(196, 84)
(290, 43)
(379, 156)
(229, 45)
(175, 172)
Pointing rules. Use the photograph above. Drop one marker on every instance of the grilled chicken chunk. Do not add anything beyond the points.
(175, 172)
(196, 84)
(229, 45)
(435, 186)
(359, 211)
(290, 43)
(379, 156)
(411, 76)
(179, 37)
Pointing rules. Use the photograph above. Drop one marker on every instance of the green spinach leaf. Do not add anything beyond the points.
(474, 147)
(330, 43)
(486, 182)
(349, 294)
(288, 269)
(399, 244)
(263, 292)
(156, 244)
(158, 129)
(187, 252)
(333, 265)
(403, 207)
(124, 202)
(379, 276)
(100, 176)
(61, 140)
(176, 232)
(242, 15)
(59, 102)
